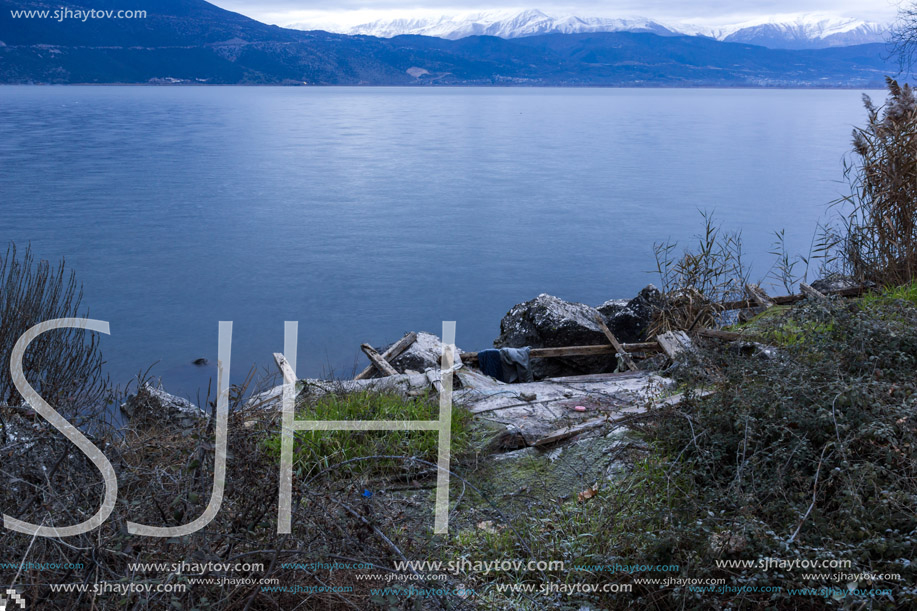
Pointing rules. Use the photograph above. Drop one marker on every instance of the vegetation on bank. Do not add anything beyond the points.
(367, 453)
(808, 454)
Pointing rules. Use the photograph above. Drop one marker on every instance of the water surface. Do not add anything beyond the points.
(365, 213)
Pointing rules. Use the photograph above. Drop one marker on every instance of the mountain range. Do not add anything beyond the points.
(192, 41)
(801, 31)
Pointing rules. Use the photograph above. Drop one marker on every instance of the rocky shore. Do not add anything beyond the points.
(576, 408)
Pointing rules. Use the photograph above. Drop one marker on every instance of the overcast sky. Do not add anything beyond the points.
(354, 12)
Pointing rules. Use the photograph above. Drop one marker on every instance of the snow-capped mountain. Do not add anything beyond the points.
(798, 31)
(807, 32)
(504, 24)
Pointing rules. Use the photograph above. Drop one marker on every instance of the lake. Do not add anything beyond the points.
(365, 213)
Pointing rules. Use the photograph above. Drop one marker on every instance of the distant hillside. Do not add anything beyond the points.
(194, 41)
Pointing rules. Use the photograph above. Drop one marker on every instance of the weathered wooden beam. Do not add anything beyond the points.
(289, 376)
(544, 353)
(573, 430)
(758, 295)
(394, 351)
(599, 377)
(629, 362)
(377, 360)
(588, 425)
(808, 291)
(570, 431)
(642, 347)
(674, 343)
(742, 304)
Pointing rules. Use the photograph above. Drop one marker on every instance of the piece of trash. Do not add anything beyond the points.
(367, 493)
(579, 408)
(587, 494)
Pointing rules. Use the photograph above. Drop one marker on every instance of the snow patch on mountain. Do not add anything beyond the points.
(785, 31)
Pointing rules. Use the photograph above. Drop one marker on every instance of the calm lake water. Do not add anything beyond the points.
(365, 213)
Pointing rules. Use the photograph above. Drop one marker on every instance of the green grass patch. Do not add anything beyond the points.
(890, 296)
(316, 450)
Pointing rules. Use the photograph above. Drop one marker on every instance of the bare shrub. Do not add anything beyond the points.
(165, 473)
(64, 366)
(695, 282)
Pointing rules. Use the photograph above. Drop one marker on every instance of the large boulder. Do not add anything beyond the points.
(631, 321)
(425, 353)
(154, 406)
(549, 321)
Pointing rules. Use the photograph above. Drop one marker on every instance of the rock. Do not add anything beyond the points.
(425, 353)
(612, 307)
(201, 362)
(834, 282)
(153, 405)
(631, 322)
(549, 321)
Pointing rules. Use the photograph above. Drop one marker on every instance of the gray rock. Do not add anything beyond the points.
(834, 282)
(548, 321)
(631, 322)
(153, 405)
(425, 353)
(612, 307)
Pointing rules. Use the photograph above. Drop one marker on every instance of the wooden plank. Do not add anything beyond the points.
(377, 360)
(759, 296)
(544, 353)
(570, 431)
(600, 377)
(813, 293)
(289, 376)
(394, 351)
(619, 349)
(573, 351)
(588, 425)
(743, 304)
(642, 347)
(674, 343)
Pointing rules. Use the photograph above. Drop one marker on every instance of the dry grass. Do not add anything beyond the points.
(165, 475)
(876, 237)
(695, 282)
